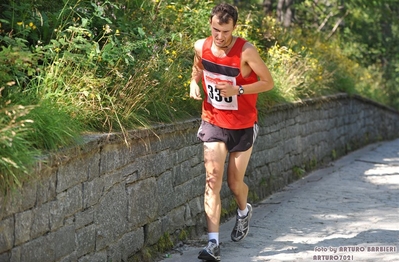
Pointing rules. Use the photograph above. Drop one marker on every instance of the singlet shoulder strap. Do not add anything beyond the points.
(237, 48)
(207, 44)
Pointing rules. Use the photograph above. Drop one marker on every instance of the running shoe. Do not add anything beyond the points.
(241, 227)
(211, 252)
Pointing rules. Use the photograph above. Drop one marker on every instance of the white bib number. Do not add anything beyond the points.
(214, 97)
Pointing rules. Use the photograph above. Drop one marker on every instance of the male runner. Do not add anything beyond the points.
(232, 74)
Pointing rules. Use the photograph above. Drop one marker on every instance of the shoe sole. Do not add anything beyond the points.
(209, 258)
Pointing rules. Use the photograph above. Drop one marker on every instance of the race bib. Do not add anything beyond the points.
(214, 97)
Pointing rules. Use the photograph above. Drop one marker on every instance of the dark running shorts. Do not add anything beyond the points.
(235, 139)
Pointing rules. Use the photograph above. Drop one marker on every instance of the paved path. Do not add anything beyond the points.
(343, 212)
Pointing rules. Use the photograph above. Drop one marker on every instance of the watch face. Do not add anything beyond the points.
(241, 91)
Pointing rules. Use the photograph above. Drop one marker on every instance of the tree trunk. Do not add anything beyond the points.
(285, 12)
(268, 7)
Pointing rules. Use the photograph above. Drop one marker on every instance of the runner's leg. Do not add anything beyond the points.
(238, 162)
(214, 158)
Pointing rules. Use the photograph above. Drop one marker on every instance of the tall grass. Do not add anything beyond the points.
(105, 67)
(16, 154)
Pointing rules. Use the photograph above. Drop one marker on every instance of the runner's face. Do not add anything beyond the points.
(222, 33)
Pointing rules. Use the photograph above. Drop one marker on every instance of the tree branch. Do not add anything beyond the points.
(325, 21)
(337, 24)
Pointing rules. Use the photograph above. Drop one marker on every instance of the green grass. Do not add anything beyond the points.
(127, 65)
(16, 152)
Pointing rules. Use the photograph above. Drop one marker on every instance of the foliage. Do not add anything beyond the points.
(367, 32)
(16, 155)
(72, 66)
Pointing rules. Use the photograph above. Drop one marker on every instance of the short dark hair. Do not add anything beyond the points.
(225, 12)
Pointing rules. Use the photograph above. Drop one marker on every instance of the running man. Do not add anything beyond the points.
(232, 74)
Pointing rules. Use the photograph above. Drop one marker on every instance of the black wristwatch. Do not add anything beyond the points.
(240, 90)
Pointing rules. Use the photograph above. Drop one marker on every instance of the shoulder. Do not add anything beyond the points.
(199, 44)
(249, 48)
(198, 47)
(249, 51)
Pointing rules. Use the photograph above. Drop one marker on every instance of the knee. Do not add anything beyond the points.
(213, 184)
(235, 186)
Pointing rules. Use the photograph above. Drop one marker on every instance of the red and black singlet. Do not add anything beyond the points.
(236, 112)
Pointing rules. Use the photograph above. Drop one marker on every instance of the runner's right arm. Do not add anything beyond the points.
(196, 74)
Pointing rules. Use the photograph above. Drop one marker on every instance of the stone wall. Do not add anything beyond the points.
(104, 201)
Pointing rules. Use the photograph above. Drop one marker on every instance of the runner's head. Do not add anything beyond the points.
(223, 21)
(224, 12)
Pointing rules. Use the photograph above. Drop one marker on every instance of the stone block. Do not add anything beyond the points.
(196, 206)
(132, 242)
(37, 250)
(84, 217)
(5, 257)
(7, 234)
(67, 204)
(154, 164)
(258, 158)
(153, 232)
(15, 254)
(62, 241)
(23, 223)
(182, 173)
(110, 217)
(92, 191)
(19, 200)
(112, 179)
(85, 240)
(188, 152)
(197, 186)
(115, 156)
(174, 220)
(100, 256)
(188, 219)
(40, 220)
(165, 192)
(184, 192)
(127, 246)
(76, 171)
(142, 207)
(47, 248)
(46, 186)
(69, 258)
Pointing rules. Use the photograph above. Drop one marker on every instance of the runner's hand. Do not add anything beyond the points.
(226, 90)
(195, 92)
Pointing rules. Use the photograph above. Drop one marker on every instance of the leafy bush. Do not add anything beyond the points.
(74, 66)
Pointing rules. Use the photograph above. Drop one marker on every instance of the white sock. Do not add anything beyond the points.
(214, 235)
(242, 213)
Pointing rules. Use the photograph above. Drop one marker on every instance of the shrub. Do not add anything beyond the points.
(109, 66)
